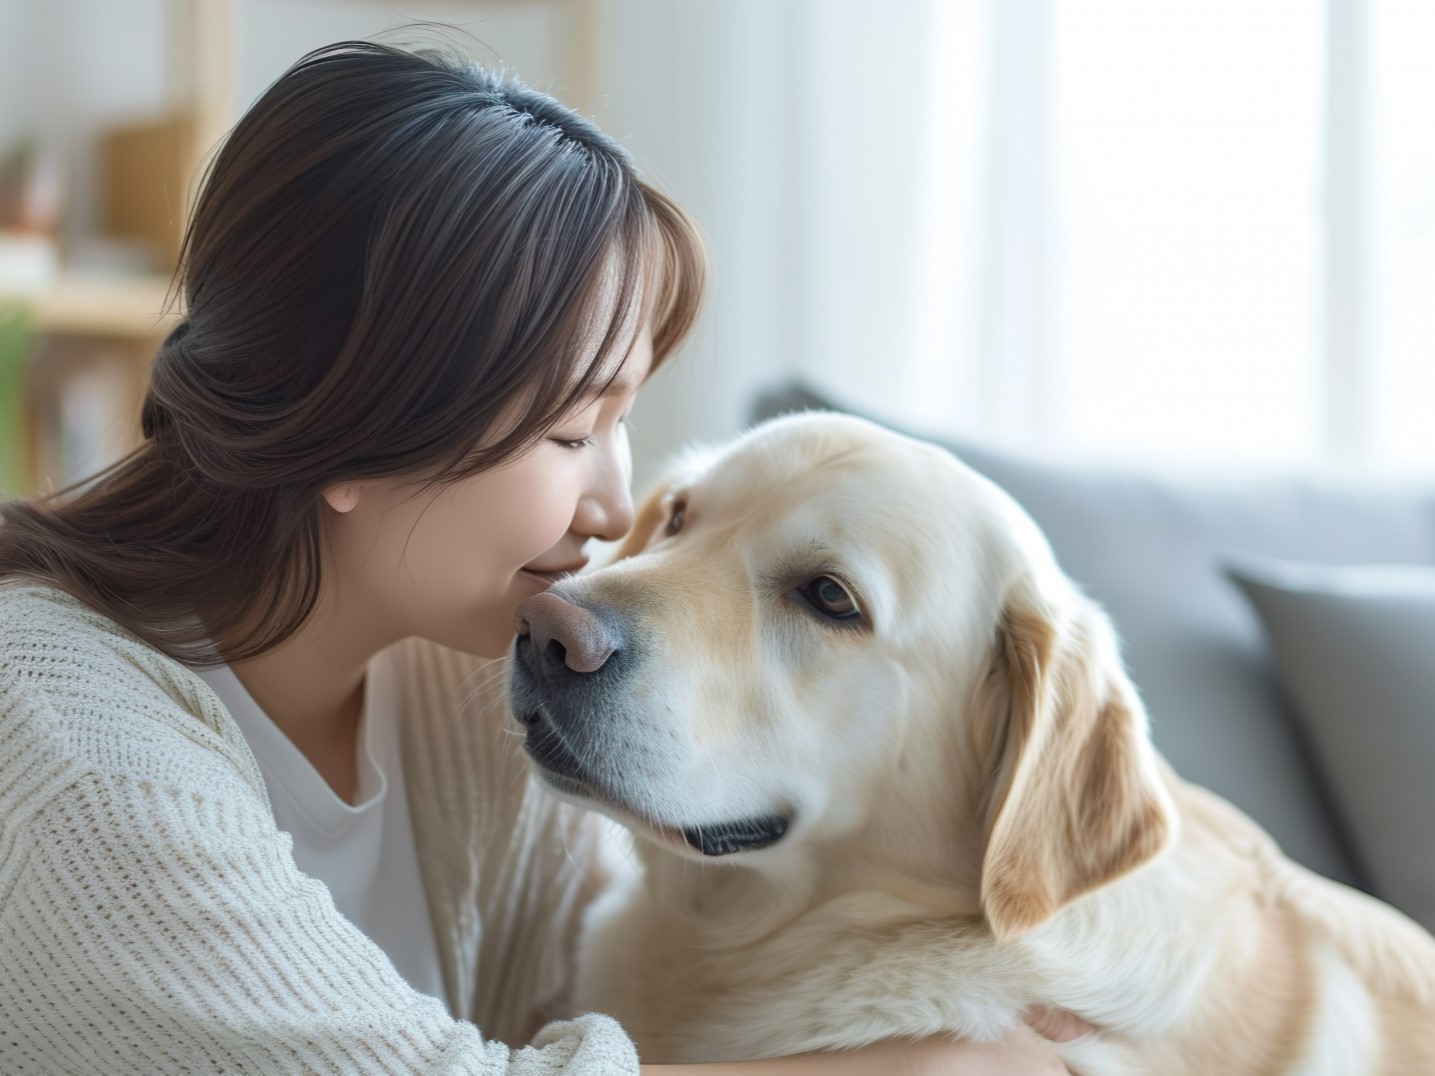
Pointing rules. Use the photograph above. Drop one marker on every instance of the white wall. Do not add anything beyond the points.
(269, 35)
(701, 96)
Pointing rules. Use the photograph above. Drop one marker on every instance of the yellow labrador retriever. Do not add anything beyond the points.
(888, 777)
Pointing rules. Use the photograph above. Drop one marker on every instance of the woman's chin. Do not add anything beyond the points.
(484, 627)
(485, 632)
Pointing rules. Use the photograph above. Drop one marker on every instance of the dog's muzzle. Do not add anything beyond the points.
(571, 683)
(570, 666)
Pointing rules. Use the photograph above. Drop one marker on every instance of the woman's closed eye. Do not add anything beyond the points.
(583, 440)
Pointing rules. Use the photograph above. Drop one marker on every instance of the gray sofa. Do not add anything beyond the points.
(1152, 550)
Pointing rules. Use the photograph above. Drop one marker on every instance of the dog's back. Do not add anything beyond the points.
(1321, 979)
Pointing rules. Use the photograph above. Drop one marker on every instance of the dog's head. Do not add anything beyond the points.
(829, 643)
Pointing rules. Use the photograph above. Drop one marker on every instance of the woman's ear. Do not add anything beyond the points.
(343, 497)
(1077, 799)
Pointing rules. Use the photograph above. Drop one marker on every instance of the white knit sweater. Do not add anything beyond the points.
(152, 918)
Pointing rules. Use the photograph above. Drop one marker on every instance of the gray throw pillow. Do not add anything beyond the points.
(1356, 648)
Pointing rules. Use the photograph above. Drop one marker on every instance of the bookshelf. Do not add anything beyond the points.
(92, 339)
(77, 343)
(85, 342)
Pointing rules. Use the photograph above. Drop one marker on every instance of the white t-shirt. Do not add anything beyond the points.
(364, 851)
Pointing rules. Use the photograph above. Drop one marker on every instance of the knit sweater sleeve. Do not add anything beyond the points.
(511, 869)
(154, 931)
(152, 918)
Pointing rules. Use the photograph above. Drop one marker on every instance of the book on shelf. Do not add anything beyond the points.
(14, 435)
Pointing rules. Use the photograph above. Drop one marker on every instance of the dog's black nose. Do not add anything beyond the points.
(566, 634)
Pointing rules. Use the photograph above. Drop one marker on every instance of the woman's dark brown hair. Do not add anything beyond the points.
(393, 255)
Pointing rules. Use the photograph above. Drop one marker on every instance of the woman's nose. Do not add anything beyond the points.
(606, 510)
(606, 514)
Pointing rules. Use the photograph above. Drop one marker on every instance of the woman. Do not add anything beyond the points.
(258, 812)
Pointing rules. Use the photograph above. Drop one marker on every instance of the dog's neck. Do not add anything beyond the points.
(900, 875)
(722, 912)
(749, 946)
(735, 904)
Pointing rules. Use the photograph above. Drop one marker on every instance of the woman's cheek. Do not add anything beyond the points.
(537, 507)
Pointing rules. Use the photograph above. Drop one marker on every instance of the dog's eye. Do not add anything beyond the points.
(830, 598)
(675, 521)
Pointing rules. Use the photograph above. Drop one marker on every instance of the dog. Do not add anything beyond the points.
(887, 777)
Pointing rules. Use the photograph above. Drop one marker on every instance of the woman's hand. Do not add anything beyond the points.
(1021, 1053)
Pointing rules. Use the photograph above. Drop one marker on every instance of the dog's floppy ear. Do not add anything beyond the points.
(1075, 800)
(657, 506)
(652, 514)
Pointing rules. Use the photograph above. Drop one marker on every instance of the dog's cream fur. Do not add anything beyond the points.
(980, 822)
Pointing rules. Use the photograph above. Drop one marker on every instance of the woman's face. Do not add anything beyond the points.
(453, 564)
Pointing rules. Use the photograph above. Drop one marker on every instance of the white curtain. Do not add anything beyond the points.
(1400, 81)
(1198, 228)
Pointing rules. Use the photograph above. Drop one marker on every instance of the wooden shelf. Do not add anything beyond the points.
(104, 305)
(93, 336)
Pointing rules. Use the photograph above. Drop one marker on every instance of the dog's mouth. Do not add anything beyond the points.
(744, 835)
(565, 772)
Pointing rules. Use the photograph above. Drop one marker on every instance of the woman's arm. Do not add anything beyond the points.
(151, 926)
(1021, 1053)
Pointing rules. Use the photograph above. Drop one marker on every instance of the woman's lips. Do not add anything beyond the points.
(549, 576)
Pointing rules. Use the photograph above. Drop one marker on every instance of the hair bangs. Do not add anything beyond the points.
(645, 270)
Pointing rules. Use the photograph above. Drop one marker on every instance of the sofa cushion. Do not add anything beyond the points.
(1150, 548)
(1354, 647)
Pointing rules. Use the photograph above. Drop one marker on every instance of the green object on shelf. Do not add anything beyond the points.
(14, 335)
